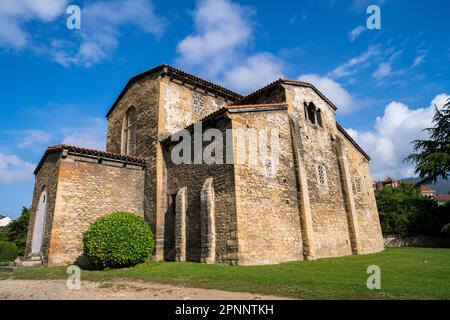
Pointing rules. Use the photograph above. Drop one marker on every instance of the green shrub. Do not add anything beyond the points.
(8, 251)
(405, 212)
(16, 231)
(120, 239)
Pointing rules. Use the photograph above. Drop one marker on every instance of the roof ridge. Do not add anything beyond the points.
(274, 104)
(161, 68)
(72, 147)
(89, 152)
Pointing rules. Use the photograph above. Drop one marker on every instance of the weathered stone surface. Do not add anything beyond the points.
(193, 176)
(313, 199)
(309, 251)
(349, 199)
(47, 176)
(208, 223)
(85, 190)
(180, 225)
(268, 222)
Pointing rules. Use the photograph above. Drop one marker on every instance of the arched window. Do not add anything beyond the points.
(39, 223)
(313, 114)
(129, 132)
(319, 117)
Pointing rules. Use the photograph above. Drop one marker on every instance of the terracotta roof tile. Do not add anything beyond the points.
(89, 152)
(425, 188)
(443, 198)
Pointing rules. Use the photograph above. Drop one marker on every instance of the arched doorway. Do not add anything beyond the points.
(38, 231)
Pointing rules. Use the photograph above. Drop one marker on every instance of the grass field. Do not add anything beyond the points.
(406, 273)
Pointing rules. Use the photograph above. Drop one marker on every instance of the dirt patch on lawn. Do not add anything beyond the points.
(13, 289)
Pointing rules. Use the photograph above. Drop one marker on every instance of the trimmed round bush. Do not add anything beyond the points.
(8, 251)
(120, 239)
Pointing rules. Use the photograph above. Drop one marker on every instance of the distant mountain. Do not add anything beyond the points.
(441, 186)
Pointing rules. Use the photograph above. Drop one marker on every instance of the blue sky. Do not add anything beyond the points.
(57, 84)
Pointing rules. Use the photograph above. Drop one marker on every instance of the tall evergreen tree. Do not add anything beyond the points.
(432, 157)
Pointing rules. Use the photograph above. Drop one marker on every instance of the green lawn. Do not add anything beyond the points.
(406, 273)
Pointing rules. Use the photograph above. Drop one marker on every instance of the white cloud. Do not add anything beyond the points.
(390, 140)
(101, 22)
(100, 25)
(257, 71)
(355, 33)
(419, 59)
(11, 34)
(332, 90)
(90, 135)
(217, 49)
(15, 14)
(355, 64)
(384, 70)
(14, 169)
(34, 138)
(221, 28)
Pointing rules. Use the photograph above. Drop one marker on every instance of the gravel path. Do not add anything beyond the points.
(112, 290)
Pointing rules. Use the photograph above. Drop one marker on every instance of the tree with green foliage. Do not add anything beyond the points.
(404, 211)
(16, 231)
(432, 157)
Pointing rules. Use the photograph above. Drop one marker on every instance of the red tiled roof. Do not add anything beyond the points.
(260, 105)
(89, 152)
(426, 189)
(238, 101)
(290, 82)
(175, 73)
(443, 198)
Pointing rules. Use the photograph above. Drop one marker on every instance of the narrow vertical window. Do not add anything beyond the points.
(312, 113)
(129, 133)
(319, 117)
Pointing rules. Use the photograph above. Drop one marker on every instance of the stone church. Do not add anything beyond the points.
(318, 203)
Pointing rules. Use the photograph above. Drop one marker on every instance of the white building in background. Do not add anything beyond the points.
(4, 221)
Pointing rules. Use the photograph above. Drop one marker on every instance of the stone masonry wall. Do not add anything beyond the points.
(47, 176)
(268, 219)
(144, 96)
(275, 94)
(330, 217)
(182, 106)
(88, 190)
(193, 177)
(163, 106)
(330, 223)
(367, 212)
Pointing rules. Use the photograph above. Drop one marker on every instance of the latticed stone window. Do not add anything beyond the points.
(321, 175)
(197, 103)
(358, 184)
